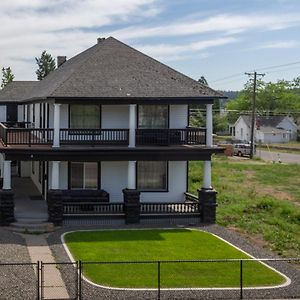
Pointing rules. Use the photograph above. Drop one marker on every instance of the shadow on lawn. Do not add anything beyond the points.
(119, 235)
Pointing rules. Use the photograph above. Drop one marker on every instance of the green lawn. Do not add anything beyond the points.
(179, 244)
(259, 199)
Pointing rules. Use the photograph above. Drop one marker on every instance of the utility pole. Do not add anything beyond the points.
(254, 74)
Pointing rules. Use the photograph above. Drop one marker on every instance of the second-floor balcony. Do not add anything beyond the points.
(23, 134)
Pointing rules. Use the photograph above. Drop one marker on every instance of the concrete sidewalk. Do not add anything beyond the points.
(38, 248)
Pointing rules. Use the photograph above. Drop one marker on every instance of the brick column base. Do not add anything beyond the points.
(132, 206)
(55, 207)
(208, 202)
(7, 207)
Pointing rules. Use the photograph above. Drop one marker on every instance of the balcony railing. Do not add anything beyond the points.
(165, 137)
(69, 136)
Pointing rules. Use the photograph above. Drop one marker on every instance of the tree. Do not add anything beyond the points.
(203, 80)
(46, 64)
(7, 76)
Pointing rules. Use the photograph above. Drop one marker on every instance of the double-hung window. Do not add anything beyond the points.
(152, 175)
(84, 175)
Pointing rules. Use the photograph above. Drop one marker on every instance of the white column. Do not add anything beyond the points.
(209, 125)
(131, 175)
(132, 124)
(56, 122)
(207, 175)
(55, 175)
(7, 175)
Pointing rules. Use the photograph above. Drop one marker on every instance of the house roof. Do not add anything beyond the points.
(271, 121)
(112, 69)
(16, 90)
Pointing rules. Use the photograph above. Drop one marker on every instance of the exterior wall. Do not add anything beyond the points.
(35, 176)
(288, 125)
(51, 115)
(114, 178)
(269, 138)
(176, 182)
(242, 131)
(63, 175)
(2, 113)
(115, 116)
(25, 168)
(178, 116)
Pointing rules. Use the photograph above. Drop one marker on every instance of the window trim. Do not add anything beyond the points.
(69, 114)
(98, 175)
(137, 117)
(166, 190)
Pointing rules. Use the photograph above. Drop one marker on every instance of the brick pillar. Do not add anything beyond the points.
(208, 202)
(55, 207)
(132, 206)
(7, 206)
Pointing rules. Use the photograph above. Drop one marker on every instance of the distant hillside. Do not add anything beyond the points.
(230, 94)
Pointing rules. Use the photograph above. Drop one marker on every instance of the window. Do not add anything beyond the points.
(152, 175)
(153, 116)
(84, 116)
(84, 175)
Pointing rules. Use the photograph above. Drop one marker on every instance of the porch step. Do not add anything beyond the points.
(32, 226)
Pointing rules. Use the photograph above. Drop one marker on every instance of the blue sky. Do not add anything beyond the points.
(214, 38)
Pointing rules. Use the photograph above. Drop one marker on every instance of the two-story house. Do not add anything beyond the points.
(108, 126)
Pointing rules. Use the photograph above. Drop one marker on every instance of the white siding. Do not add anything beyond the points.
(25, 168)
(288, 125)
(115, 116)
(242, 131)
(37, 115)
(35, 176)
(177, 185)
(178, 116)
(2, 113)
(114, 178)
(63, 175)
(51, 115)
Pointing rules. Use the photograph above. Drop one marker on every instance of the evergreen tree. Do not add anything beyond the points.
(46, 64)
(7, 76)
(203, 80)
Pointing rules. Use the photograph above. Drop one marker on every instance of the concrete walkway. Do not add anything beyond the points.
(38, 248)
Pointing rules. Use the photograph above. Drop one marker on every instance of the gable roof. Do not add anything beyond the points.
(16, 90)
(113, 69)
(264, 121)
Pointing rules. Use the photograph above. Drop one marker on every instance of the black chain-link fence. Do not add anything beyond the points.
(185, 279)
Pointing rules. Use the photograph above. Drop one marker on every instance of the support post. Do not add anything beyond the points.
(132, 206)
(6, 207)
(208, 203)
(55, 175)
(132, 125)
(56, 125)
(207, 175)
(209, 125)
(131, 184)
(7, 175)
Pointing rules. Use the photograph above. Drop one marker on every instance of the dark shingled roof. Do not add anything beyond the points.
(16, 90)
(263, 121)
(113, 69)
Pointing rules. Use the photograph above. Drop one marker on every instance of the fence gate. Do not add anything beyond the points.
(59, 281)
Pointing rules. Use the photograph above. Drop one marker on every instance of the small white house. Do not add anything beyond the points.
(274, 129)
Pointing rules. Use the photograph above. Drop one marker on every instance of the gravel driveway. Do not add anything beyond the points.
(16, 282)
(287, 158)
(91, 292)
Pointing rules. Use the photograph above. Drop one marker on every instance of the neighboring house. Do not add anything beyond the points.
(272, 129)
(108, 119)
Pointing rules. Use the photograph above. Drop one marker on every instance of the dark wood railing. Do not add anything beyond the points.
(165, 137)
(94, 136)
(191, 198)
(169, 208)
(92, 208)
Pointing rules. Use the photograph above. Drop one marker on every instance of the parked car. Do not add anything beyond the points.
(241, 149)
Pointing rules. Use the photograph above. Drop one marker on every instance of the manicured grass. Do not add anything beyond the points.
(179, 244)
(257, 198)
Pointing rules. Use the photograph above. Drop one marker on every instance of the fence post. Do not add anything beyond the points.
(38, 280)
(158, 280)
(241, 279)
(42, 281)
(79, 279)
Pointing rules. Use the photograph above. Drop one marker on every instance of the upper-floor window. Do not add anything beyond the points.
(85, 116)
(153, 116)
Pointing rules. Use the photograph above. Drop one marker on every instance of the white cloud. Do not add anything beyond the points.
(224, 23)
(280, 45)
(169, 52)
